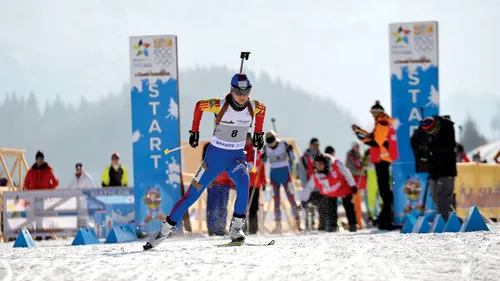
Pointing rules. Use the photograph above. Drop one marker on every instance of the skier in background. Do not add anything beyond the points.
(234, 115)
(280, 156)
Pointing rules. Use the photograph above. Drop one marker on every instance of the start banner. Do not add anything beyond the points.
(63, 212)
(414, 95)
(155, 127)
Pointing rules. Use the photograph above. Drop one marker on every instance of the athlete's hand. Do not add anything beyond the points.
(194, 138)
(354, 189)
(258, 140)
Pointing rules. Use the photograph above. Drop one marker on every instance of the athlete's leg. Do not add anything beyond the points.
(238, 172)
(291, 198)
(209, 169)
(277, 202)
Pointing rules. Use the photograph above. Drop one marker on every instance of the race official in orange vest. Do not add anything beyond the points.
(383, 150)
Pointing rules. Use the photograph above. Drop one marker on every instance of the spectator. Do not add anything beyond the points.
(383, 150)
(81, 179)
(460, 154)
(115, 175)
(257, 180)
(217, 199)
(41, 175)
(442, 161)
(334, 180)
(316, 199)
(354, 164)
(330, 150)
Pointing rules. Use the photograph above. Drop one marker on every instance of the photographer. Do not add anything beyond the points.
(433, 143)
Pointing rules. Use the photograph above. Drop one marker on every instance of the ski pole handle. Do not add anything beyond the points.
(167, 151)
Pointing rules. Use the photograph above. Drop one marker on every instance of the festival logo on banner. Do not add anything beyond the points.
(415, 95)
(155, 127)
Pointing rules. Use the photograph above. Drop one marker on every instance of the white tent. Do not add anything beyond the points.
(487, 151)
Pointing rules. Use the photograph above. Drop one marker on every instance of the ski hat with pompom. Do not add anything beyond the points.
(377, 108)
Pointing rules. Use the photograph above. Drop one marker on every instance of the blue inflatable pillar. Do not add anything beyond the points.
(85, 236)
(24, 239)
(453, 224)
(438, 224)
(474, 221)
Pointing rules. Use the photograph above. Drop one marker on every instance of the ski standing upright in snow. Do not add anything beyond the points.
(234, 115)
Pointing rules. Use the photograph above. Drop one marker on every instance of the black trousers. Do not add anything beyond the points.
(332, 215)
(386, 216)
(253, 219)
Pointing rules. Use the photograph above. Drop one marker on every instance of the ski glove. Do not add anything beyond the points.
(354, 189)
(194, 138)
(258, 140)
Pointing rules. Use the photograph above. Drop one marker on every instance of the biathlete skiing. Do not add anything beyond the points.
(234, 115)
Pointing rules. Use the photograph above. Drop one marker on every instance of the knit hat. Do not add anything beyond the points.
(78, 165)
(377, 108)
(270, 137)
(430, 125)
(39, 155)
(354, 144)
(115, 155)
(314, 141)
(329, 149)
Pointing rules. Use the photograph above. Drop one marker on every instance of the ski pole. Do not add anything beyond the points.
(167, 151)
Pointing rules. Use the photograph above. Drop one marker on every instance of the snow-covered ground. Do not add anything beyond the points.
(340, 256)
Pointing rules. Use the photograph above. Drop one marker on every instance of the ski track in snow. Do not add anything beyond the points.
(324, 256)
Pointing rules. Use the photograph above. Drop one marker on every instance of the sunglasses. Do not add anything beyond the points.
(241, 92)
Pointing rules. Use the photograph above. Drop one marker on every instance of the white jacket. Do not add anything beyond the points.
(85, 181)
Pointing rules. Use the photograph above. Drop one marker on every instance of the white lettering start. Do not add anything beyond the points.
(154, 142)
(414, 113)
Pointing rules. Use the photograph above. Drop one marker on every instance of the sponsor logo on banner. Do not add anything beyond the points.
(163, 49)
(400, 39)
(141, 57)
(423, 35)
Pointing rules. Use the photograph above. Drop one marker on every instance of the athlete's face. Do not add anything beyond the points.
(240, 99)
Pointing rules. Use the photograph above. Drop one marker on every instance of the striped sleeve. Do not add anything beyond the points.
(211, 105)
(260, 114)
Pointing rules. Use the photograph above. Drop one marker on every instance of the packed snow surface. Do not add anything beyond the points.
(343, 256)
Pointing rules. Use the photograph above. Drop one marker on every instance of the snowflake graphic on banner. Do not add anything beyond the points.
(433, 97)
(173, 172)
(173, 110)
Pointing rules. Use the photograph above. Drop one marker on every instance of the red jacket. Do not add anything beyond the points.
(260, 169)
(40, 178)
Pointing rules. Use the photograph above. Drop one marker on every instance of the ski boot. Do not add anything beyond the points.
(299, 227)
(236, 230)
(353, 228)
(158, 237)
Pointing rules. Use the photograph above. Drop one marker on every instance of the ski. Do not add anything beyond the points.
(242, 243)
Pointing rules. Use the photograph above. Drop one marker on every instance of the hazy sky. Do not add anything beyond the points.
(332, 48)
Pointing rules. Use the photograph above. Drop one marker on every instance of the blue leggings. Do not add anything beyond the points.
(216, 161)
(279, 177)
